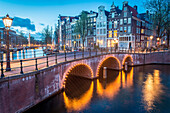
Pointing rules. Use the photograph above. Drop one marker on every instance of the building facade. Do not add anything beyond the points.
(101, 28)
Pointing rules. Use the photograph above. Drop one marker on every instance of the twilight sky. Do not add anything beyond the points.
(45, 12)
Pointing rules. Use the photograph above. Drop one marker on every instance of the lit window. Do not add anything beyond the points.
(142, 30)
(110, 34)
(115, 33)
(94, 19)
(129, 20)
(125, 29)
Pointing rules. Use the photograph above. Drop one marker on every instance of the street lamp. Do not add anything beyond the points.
(7, 22)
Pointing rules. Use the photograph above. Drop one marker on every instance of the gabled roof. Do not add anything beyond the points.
(134, 12)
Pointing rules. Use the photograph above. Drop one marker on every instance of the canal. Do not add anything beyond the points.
(142, 89)
(24, 54)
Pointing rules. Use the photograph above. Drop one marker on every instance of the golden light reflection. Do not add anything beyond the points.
(130, 78)
(152, 90)
(111, 89)
(78, 104)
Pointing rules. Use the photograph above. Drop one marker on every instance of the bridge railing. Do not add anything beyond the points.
(33, 64)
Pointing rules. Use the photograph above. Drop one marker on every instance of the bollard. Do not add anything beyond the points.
(65, 56)
(104, 72)
(126, 66)
(56, 58)
(21, 67)
(36, 66)
(2, 70)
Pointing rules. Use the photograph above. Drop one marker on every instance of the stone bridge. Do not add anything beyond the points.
(18, 93)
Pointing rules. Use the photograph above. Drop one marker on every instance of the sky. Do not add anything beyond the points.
(40, 13)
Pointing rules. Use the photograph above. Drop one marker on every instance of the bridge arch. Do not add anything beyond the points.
(110, 62)
(81, 69)
(127, 58)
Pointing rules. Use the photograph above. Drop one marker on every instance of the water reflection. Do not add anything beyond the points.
(77, 97)
(152, 90)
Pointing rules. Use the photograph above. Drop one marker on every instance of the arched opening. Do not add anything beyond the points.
(127, 59)
(110, 62)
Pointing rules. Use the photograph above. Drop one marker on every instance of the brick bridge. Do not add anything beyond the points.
(18, 93)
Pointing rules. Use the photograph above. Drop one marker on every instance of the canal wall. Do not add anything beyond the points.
(18, 93)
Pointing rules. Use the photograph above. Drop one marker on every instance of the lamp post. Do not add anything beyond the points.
(7, 22)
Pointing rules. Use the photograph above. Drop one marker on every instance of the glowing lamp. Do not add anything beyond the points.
(7, 21)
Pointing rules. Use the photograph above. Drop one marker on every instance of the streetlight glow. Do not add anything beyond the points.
(7, 21)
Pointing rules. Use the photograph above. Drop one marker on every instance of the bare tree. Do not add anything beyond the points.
(159, 9)
(46, 33)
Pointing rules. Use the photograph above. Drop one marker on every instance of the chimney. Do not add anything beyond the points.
(135, 7)
(125, 3)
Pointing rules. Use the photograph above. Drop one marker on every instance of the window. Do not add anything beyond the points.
(121, 29)
(97, 31)
(97, 24)
(100, 31)
(110, 25)
(104, 24)
(94, 19)
(104, 31)
(125, 21)
(121, 21)
(125, 14)
(94, 32)
(115, 24)
(100, 24)
(125, 8)
(115, 33)
(110, 34)
(142, 30)
(113, 15)
(129, 29)
(129, 20)
(125, 29)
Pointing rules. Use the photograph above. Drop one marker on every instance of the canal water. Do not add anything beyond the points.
(143, 89)
(24, 54)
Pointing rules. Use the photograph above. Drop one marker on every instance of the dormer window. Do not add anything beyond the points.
(113, 15)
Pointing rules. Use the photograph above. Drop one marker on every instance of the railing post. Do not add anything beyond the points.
(21, 67)
(47, 61)
(74, 54)
(65, 55)
(36, 65)
(2, 70)
(83, 53)
(23, 54)
(34, 53)
(56, 58)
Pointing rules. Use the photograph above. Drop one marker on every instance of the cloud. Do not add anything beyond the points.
(42, 24)
(21, 23)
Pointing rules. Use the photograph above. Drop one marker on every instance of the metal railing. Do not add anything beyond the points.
(33, 64)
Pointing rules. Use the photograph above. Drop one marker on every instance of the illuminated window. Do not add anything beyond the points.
(142, 30)
(94, 19)
(115, 33)
(125, 29)
(110, 34)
